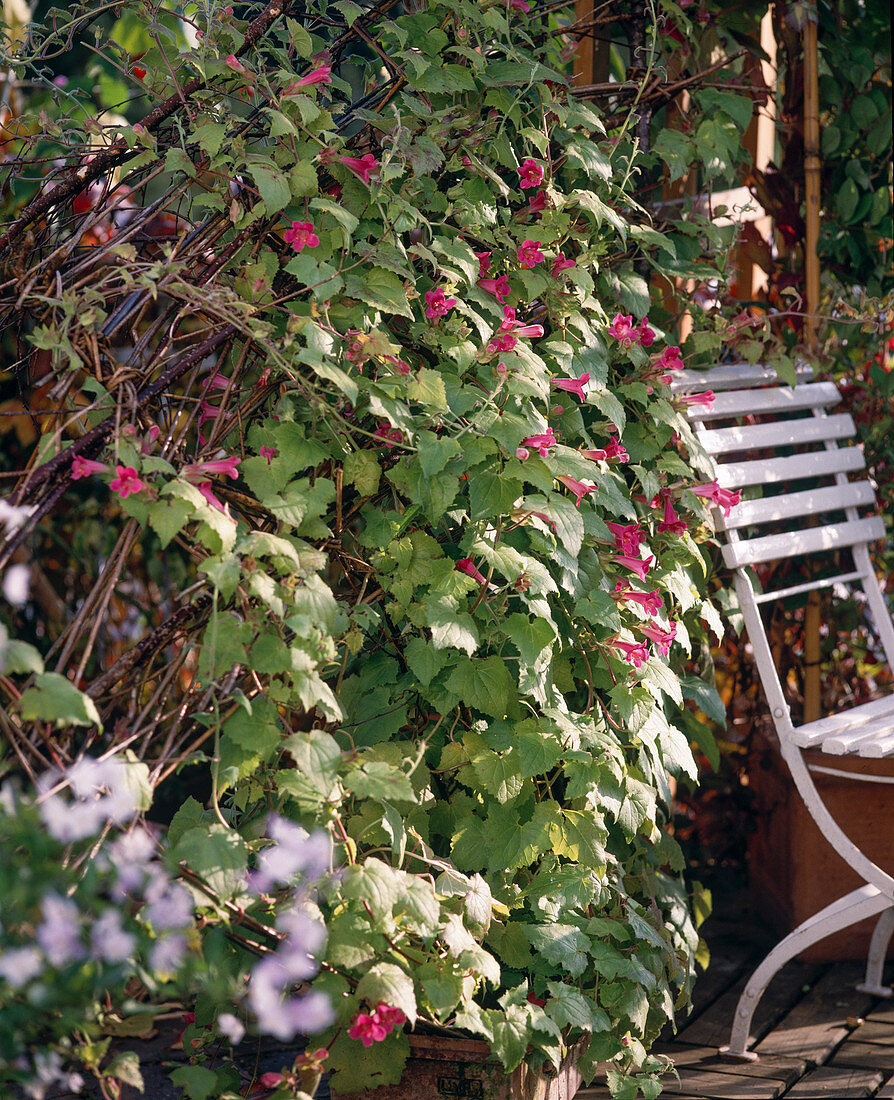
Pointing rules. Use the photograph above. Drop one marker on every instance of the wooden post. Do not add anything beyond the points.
(812, 694)
(591, 64)
(811, 184)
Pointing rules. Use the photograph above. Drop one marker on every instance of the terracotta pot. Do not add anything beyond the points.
(443, 1067)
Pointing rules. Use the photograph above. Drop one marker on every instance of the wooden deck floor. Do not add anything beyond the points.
(817, 1037)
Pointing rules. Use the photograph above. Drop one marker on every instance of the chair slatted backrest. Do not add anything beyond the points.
(794, 460)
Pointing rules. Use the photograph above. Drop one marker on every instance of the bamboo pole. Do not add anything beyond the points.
(812, 694)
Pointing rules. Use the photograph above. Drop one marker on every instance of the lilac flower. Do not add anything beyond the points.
(109, 941)
(19, 965)
(67, 822)
(59, 934)
(17, 584)
(294, 852)
(167, 954)
(130, 855)
(12, 517)
(48, 1071)
(231, 1028)
(170, 905)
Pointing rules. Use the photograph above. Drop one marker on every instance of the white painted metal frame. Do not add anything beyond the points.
(743, 392)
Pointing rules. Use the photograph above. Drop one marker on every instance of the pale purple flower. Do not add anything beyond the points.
(19, 965)
(293, 852)
(17, 584)
(108, 939)
(48, 1071)
(67, 822)
(12, 516)
(170, 905)
(59, 934)
(130, 855)
(231, 1028)
(284, 1018)
(167, 954)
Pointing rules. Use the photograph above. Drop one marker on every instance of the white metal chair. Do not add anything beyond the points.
(784, 442)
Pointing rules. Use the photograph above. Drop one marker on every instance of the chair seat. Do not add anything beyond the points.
(867, 731)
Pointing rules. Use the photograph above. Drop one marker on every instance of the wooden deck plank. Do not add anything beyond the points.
(723, 1086)
(836, 1083)
(882, 1012)
(775, 1066)
(712, 1029)
(817, 1023)
(876, 1056)
(873, 1030)
(886, 1092)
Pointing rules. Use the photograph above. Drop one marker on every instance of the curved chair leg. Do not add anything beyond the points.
(875, 962)
(855, 906)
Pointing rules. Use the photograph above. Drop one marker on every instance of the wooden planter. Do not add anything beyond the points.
(441, 1067)
(794, 870)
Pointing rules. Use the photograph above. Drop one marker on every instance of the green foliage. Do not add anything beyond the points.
(414, 628)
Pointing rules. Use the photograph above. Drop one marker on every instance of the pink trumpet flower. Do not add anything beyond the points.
(541, 442)
(320, 75)
(362, 167)
(538, 203)
(661, 638)
(206, 490)
(627, 536)
(529, 254)
(301, 235)
(436, 305)
(126, 482)
(635, 653)
(573, 385)
(530, 174)
(671, 524)
(635, 565)
(706, 398)
(723, 498)
(579, 488)
(560, 264)
(483, 262)
(623, 330)
(509, 324)
(498, 287)
(467, 566)
(199, 471)
(651, 602)
(84, 467)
